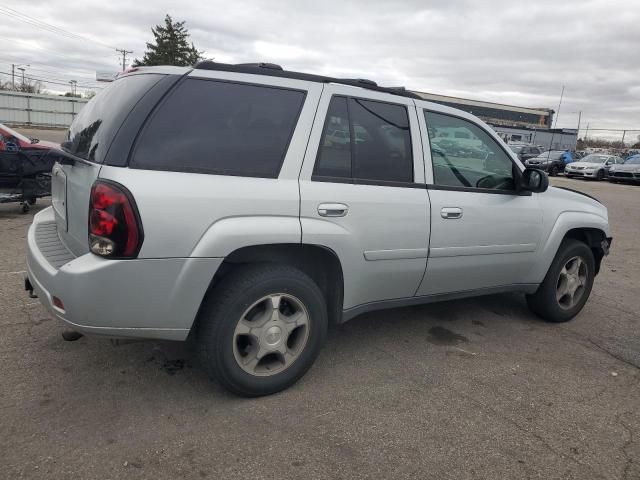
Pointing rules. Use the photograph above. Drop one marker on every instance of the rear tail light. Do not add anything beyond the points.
(115, 230)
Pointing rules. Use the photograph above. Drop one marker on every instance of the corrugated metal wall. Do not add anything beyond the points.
(17, 108)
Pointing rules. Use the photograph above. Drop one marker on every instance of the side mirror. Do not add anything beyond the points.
(534, 180)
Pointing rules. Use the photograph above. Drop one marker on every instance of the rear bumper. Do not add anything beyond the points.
(144, 298)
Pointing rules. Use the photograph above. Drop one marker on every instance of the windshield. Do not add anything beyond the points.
(8, 132)
(635, 160)
(594, 159)
(515, 149)
(550, 155)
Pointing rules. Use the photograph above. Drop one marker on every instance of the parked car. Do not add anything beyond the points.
(577, 155)
(249, 234)
(526, 152)
(551, 162)
(25, 167)
(10, 140)
(629, 171)
(594, 166)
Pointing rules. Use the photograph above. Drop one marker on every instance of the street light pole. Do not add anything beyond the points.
(13, 73)
(22, 70)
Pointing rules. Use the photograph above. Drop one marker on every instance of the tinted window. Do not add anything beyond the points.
(97, 123)
(220, 128)
(382, 141)
(476, 161)
(334, 154)
(366, 140)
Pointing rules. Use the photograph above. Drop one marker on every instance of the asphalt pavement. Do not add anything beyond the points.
(478, 388)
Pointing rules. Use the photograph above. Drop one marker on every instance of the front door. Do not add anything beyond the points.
(363, 193)
(484, 234)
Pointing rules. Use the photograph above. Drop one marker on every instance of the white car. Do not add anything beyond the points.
(594, 166)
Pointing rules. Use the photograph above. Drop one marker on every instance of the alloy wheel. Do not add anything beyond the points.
(271, 334)
(571, 283)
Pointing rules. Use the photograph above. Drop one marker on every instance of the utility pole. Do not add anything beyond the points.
(22, 70)
(579, 118)
(73, 87)
(586, 134)
(13, 73)
(124, 56)
(555, 122)
(624, 134)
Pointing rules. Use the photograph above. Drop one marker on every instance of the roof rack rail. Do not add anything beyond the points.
(273, 70)
(272, 66)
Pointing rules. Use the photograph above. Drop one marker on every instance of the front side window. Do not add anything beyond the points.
(474, 160)
(365, 140)
(220, 128)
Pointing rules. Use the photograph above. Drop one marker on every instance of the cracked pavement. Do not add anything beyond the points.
(478, 388)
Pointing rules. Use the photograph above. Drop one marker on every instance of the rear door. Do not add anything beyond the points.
(484, 234)
(89, 139)
(365, 197)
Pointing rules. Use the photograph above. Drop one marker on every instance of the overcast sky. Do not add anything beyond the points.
(507, 51)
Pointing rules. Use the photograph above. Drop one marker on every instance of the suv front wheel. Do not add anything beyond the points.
(567, 285)
(261, 329)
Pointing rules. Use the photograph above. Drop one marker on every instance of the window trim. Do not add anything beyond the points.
(229, 173)
(362, 181)
(519, 193)
(434, 186)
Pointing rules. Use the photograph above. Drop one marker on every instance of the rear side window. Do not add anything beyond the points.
(365, 140)
(95, 126)
(220, 128)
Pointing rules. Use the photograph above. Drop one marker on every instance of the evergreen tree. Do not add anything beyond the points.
(171, 46)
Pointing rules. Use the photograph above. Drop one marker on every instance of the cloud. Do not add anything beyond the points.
(497, 50)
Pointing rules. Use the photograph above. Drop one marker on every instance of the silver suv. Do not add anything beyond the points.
(246, 208)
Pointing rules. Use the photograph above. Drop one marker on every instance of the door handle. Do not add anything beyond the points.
(451, 213)
(332, 209)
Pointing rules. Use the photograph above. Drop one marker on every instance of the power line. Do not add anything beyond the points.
(55, 75)
(58, 30)
(48, 27)
(54, 82)
(24, 44)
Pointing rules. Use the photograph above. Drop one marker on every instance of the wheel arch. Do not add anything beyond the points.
(319, 262)
(587, 227)
(593, 237)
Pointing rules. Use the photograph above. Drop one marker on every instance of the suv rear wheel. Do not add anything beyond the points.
(261, 329)
(567, 284)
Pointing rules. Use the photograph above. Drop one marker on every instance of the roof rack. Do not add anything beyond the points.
(273, 70)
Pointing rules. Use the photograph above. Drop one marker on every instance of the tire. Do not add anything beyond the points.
(600, 175)
(545, 302)
(228, 351)
(553, 171)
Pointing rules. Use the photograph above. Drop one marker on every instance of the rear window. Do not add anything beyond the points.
(222, 128)
(95, 126)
